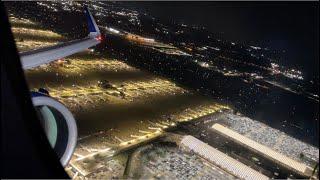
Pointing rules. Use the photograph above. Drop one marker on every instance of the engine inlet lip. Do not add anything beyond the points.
(71, 124)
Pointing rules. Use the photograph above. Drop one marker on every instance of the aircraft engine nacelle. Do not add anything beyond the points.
(59, 124)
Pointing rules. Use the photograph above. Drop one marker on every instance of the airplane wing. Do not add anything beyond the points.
(37, 57)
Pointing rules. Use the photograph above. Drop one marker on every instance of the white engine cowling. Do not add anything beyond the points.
(59, 125)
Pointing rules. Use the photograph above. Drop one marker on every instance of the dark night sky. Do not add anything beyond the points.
(290, 26)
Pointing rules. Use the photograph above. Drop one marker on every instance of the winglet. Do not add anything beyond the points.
(92, 25)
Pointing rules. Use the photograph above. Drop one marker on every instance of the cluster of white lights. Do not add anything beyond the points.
(113, 30)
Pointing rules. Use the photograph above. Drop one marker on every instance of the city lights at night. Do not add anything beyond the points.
(154, 96)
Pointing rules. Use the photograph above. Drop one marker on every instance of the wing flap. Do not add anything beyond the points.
(45, 55)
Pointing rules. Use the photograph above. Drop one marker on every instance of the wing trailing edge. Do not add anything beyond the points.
(37, 57)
